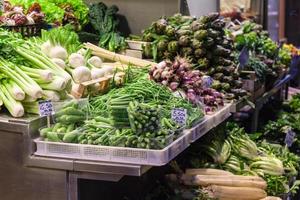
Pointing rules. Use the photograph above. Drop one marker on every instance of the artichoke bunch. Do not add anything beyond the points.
(203, 42)
(214, 55)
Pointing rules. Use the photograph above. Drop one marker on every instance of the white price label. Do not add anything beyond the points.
(46, 108)
(289, 138)
(179, 115)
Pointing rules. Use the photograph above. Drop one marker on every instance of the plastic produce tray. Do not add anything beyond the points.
(209, 122)
(222, 114)
(200, 129)
(113, 154)
(27, 30)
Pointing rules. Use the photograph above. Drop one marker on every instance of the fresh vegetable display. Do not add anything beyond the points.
(62, 12)
(105, 24)
(63, 47)
(68, 119)
(18, 16)
(190, 90)
(203, 42)
(219, 185)
(267, 58)
(136, 115)
(29, 74)
(292, 49)
(47, 67)
(287, 121)
(242, 156)
(179, 76)
(144, 90)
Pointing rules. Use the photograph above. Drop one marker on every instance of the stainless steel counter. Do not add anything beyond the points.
(18, 181)
(25, 176)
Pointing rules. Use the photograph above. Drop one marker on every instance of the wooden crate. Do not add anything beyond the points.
(250, 81)
(258, 93)
(101, 85)
(252, 85)
(134, 53)
(136, 45)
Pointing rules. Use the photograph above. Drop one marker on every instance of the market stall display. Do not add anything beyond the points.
(266, 58)
(104, 23)
(136, 115)
(147, 113)
(203, 42)
(243, 156)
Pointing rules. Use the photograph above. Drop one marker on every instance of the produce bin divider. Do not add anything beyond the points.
(103, 84)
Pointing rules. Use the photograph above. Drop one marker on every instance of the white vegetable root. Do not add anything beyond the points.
(76, 60)
(58, 52)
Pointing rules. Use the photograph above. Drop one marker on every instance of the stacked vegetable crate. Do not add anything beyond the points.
(27, 30)
(135, 48)
(252, 84)
(100, 85)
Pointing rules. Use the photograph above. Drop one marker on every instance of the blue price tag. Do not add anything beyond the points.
(46, 108)
(244, 57)
(207, 81)
(289, 138)
(179, 115)
(294, 68)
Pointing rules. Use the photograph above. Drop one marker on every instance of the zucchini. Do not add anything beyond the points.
(44, 131)
(61, 130)
(61, 135)
(70, 128)
(70, 137)
(69, 111)
(53, 137)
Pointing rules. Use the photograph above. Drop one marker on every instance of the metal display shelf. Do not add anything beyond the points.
(281, 86)
(17, 180)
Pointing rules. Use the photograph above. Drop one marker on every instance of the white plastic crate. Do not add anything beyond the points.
(113, 154)
(201, 129)
(222, 114)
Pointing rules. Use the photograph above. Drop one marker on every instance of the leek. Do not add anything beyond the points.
(31, 107)
(51, 95)
(30, 87)
(43, 62)
(45, 75)
(58, 84)
(15, 91)
(14, 107)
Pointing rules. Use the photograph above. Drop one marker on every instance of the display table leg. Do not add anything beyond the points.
(73, 178)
